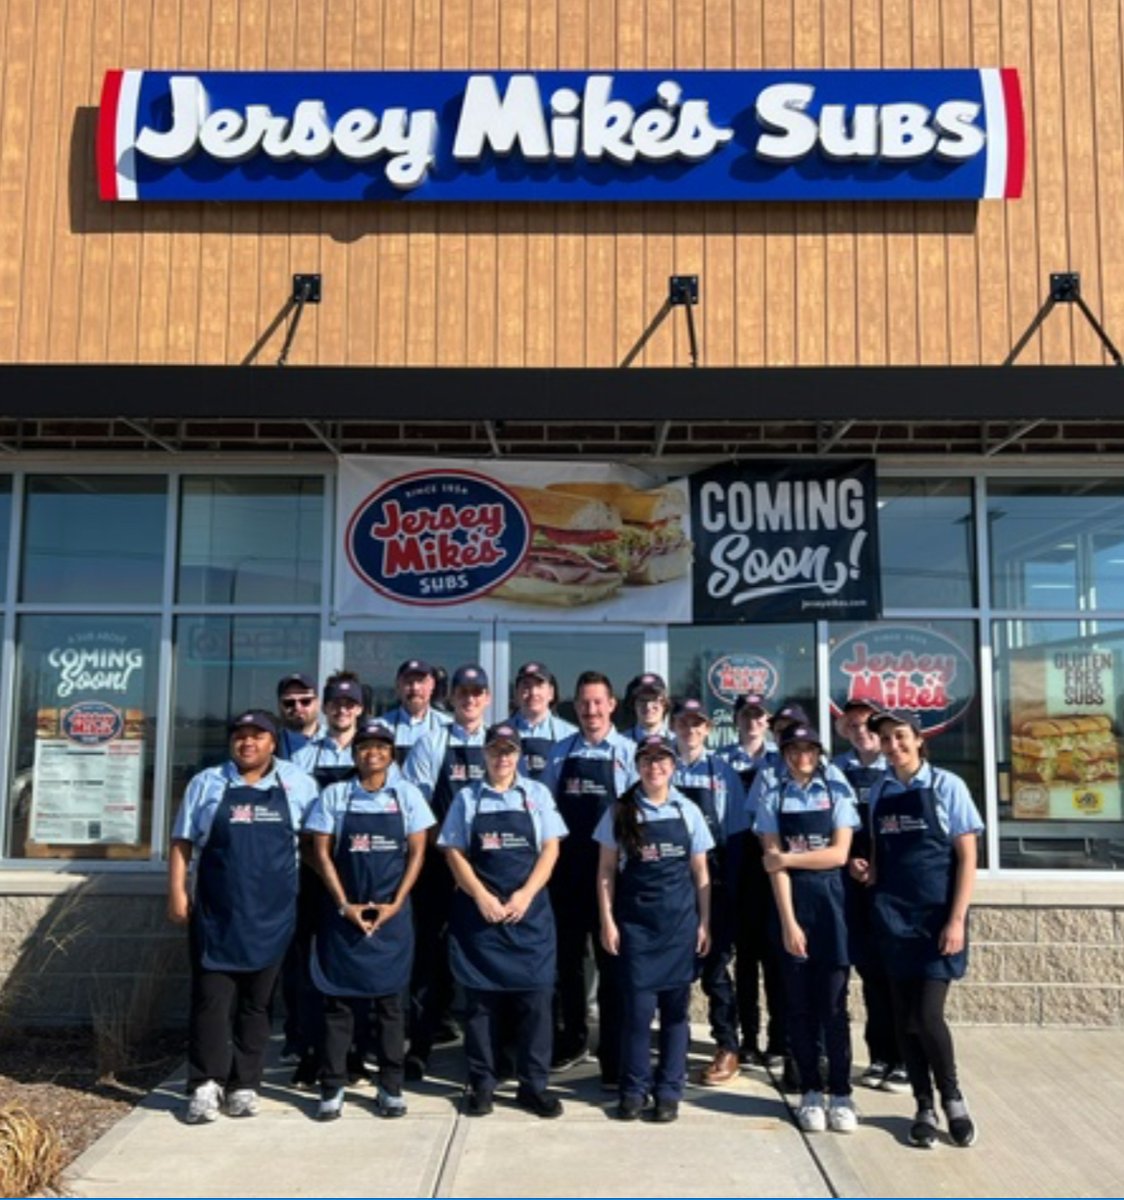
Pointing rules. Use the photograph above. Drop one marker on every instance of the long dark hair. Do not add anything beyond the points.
(626, 821)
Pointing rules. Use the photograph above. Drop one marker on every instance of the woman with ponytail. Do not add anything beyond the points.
(653, 894)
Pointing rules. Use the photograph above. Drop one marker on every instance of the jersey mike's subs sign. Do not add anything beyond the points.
(561, 135)
(486, 540)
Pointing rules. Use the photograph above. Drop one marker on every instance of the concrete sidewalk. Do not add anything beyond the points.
(1048, 1105)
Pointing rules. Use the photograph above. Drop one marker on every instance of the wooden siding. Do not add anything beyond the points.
(573, 285)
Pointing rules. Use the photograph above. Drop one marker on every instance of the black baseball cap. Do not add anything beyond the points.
(895, 716)
(690, 708)
(750, 700)
(533, 670)
(800, 732)
(470, 675)
(298, 679)
(648, 682)
(790, 712)
(372, 729)
(503, 732)
(253, 718)
(344, 689)
(416, 666)
(654, 745)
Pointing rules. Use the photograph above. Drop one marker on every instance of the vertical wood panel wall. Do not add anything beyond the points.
(572, 285)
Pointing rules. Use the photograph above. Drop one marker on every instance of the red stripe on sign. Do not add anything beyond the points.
(1016, 133)
(106, 153)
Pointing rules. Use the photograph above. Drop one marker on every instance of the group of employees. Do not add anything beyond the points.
(366, 867)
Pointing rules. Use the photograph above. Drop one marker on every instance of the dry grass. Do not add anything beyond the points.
(31, 1158)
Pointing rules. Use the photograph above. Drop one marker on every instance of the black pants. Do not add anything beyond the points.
(924, 1037)
(388, 1019)
(578, 924)
(716, 980)
(757, 955)
(817, 999)
(431, 984)
(491, 1019)
(879, 1032)
(228, 1029)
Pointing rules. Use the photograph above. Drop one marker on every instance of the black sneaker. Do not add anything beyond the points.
(542, 1104)
(414, 1067)
(665, 1112)
(629, 1108)
(479, 1104)
(923, 1131)
(446, 1034)
(749, 1056)
(566, 1057)
(961, 1127)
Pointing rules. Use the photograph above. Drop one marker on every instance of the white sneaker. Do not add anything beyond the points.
(204, 1103)
(841, 1115)
(388, 1105)
(811, 1116)
(331, 1104)
(242, 1102)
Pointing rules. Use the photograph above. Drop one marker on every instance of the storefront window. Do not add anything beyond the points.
(94, 539)
(224, 665)
(926, 667)
(1058, 718)
(925, 543)
(376, 657)
(5, 526)
(1057, 546)
(251, 540)
(718, 663)
(82, 783)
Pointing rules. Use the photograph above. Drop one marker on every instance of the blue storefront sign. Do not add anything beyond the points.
(567, 136)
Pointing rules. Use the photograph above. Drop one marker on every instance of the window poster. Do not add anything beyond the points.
(1065, 744)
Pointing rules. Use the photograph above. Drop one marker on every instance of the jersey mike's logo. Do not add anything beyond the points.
(734, 675)
(91, 723)
(438, 537)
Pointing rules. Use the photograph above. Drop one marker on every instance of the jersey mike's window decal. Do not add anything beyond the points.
(785, 541)
(736, 675)
(561, 135)
(907, 667)
(438, 537)
(517, 539)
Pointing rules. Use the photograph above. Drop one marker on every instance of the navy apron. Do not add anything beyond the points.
(370, 860)
(704, 799)
(245, 907)
(817, 896)
(863, 951)
(586, 788)
(914, 883)
(655, 908)
(461, 766)
(536, 750)
(520, 957)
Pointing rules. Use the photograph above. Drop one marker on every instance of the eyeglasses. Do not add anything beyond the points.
(298, 701)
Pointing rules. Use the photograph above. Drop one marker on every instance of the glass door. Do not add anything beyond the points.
(617, 651)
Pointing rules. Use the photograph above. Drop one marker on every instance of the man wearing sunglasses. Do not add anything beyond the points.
(299, 704)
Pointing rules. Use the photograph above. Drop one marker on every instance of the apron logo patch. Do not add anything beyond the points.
(489, 841)
(797, 844)
(457, 773)
(573, 786)
(650, 853)
(241, 814)
(360, 843)
(889, 824)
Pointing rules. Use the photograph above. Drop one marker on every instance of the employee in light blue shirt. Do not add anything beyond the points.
(539, 726)
(415, 717)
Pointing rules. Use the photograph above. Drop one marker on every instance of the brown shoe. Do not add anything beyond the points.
(722, 1069)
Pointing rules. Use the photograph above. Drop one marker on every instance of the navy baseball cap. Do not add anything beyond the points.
(853, 704)
(253, 718)
(533, 670)
(416, 666)
(503, 732)
(655, 745)
(790, 712)
(800, 732)
(344, 689)
(372, 729)
(690, 708)
(895, 716)
(751, 700)
(298, 679)
(649, 683)
(470, 675)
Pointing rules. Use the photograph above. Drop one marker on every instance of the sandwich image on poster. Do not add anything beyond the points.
(1065, 744)
(656, 544)
(512, 540)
